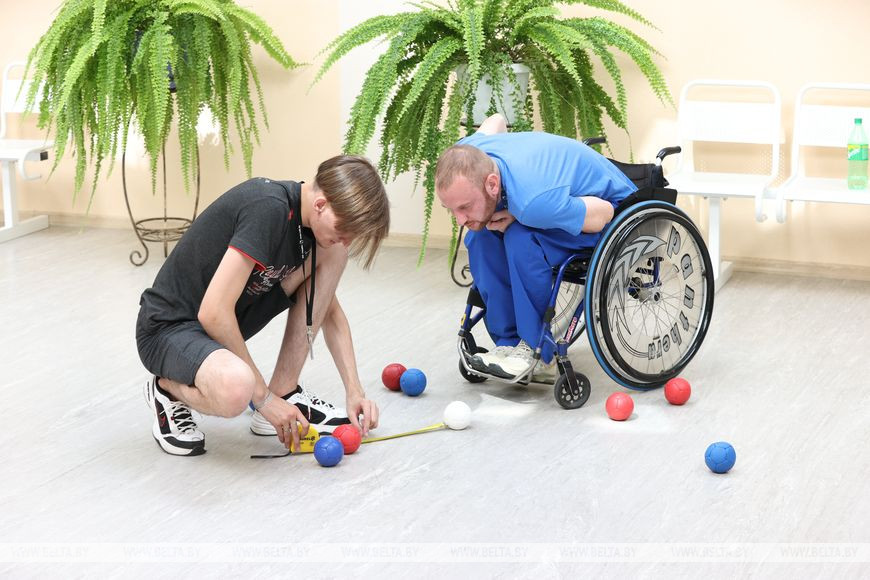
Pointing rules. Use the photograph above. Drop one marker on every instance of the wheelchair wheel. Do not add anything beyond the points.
(567, 399)
(649, 295)
(472, 378)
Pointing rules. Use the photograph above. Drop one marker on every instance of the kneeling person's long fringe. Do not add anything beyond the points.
(358, 198)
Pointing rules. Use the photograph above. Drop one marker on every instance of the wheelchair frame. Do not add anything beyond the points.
(572, 388)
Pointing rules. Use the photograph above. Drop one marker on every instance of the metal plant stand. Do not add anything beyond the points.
(160, 229)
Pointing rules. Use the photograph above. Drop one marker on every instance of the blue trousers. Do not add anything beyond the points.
(513, 273)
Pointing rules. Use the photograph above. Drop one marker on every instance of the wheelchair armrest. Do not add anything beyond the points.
(647, 194)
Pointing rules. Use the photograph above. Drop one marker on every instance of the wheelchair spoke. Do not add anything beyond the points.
(567, 300)
(650, 323)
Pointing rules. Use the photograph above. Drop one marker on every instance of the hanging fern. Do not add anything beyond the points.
(412, 84)
(104, 65)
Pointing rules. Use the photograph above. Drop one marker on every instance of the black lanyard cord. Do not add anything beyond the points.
(309, 298)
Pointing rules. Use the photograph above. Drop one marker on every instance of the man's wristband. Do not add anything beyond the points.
(263, 403)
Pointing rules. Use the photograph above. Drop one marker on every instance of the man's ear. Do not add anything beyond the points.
(492, 184)
(320, 203)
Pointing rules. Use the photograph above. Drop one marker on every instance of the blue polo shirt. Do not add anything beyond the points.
(545, 175)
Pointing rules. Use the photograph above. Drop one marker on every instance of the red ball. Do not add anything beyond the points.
(391, 375)
(677, 391)
(619, 406)
(349, 437)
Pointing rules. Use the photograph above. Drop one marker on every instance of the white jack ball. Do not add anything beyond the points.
(457, 415)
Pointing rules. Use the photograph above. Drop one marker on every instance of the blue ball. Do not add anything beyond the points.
(328, 451)
(720, 457)
(413, 382)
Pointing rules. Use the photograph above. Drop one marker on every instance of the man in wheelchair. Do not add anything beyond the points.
(529, 200)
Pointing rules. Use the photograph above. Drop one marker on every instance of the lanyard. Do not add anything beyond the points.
(309, 298)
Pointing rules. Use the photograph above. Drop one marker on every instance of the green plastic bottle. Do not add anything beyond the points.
(857, 155)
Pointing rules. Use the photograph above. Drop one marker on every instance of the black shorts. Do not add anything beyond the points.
(175, 350)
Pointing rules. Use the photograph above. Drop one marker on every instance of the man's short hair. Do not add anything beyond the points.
(465, 160)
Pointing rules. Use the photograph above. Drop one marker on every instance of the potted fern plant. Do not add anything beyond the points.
(425, 103)
(106, 66)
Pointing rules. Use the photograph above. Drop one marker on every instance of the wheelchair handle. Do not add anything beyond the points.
(668, 151)
(594, 141)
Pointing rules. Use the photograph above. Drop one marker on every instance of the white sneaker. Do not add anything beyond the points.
(480, 362)
(519, 360)
(321, 415)
(546, 373)
(174, 428)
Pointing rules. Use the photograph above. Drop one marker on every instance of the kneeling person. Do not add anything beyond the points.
(251, 255)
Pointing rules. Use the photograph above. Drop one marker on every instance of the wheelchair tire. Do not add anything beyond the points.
(564, 396)
(468, 376)
(649, 295)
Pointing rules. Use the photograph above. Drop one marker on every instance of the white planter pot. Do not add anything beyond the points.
(484, 93)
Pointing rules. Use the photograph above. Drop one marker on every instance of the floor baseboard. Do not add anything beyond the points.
(805, 269)
(442, 242)
(436, 241)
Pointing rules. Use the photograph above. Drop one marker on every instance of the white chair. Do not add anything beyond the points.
(17, 151)
(829, 126)
(726, 121)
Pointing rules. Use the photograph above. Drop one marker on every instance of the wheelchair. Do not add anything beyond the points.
(643, 296)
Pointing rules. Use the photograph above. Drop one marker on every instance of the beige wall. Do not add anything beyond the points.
(787, 42)
(305, 127)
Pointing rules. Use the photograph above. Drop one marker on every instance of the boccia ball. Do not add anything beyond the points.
(677, 391)
(619, 406)
(413, 382)
(328, 451)
(391, 375)
(349, 437)
(720, 457)
(457, 415)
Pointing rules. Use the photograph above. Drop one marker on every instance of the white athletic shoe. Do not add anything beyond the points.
(321, 415)
(481, 361)
(174, 428)
(519, 359)
(546, 373)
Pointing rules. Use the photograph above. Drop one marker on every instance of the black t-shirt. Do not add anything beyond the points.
(259, 218)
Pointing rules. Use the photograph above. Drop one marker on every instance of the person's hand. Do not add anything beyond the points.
(357, 405)
(284, 417)
(500, 221)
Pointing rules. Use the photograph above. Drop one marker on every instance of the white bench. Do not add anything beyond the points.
(17, 152)
(738, 120)
(825, 125)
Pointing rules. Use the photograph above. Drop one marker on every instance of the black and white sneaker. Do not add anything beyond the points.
(323, 416)
(174, 428)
